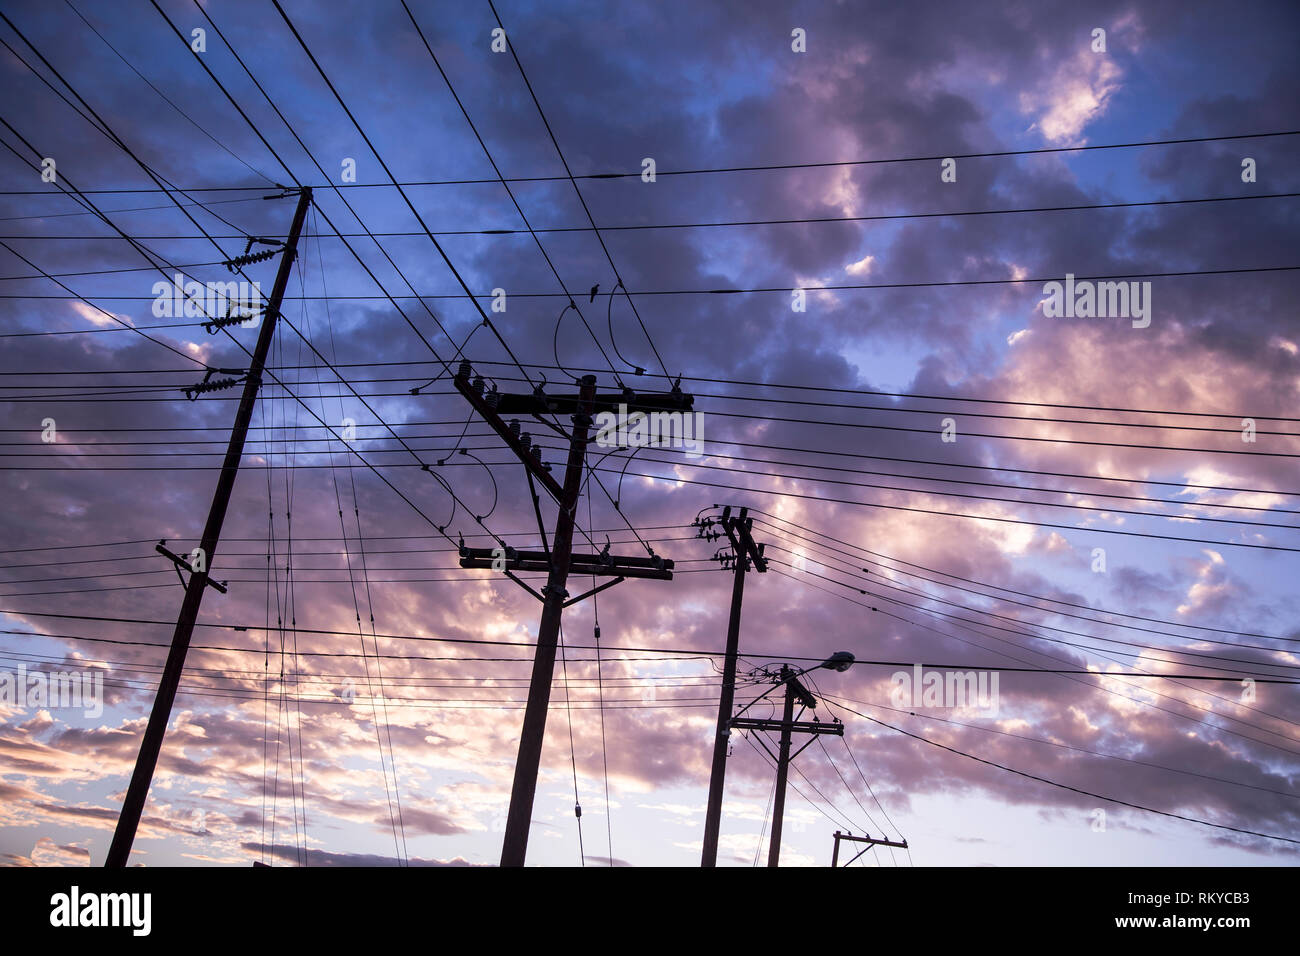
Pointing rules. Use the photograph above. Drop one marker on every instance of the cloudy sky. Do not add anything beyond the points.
(942, 471)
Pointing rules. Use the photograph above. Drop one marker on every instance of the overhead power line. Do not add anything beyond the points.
(767, 386)
(786, 532)
(535, 231)
(475, 297)
(489, 642)
(1062, 786)
(753, 167)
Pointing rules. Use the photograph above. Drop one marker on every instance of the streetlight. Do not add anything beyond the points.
(840, 661)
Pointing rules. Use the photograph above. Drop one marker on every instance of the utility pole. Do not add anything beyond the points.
(138, 790)
(869, 841)
(558, 560)
(524, 788)
(788, 725)
(782, 773)
(739, 533)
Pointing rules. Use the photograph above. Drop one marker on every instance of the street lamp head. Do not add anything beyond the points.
(839, 661)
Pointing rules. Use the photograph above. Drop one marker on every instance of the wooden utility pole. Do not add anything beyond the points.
(789, 724)
(138, 790)
(739, 532)
(558, 561)
(522, 792)
(782, 775)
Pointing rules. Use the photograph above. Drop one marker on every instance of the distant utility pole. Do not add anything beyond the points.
(869, 841)
(558, 560)
(739, 533)
(120, 849)
(788, 725)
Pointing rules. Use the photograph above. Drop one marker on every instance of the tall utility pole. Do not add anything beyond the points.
(138, 791)
(739, 532)
(558, 561)
(789, 724)
(524, 788)
(782, 774)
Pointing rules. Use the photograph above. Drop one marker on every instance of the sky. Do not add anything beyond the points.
(882, 385)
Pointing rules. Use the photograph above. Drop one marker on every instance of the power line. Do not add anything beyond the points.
(1079, 679)
(373, 537)
(474, 297)
(534, 231)
(1053, 783)
(441, 682)
(448, 262)
(61, 451)
(217, 142)
(515, 202)
(1063, 746)
(693, 653)
(735, 168)
(1109, 640)
(951, 494)
(767, 399)
(1036, 597)
(486, 320)
(953, 514)
(728, 381)
(71, 466)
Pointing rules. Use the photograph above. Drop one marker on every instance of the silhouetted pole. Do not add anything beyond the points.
(782, 769)
(515, 846)
(742, 544)
(717, 776)
(138, 791)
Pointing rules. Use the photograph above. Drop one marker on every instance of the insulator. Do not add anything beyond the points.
(465, 369)
(212, 325)
(478, 385)
(215, 385)
(514, 428)
(493, 399)
(249, 259)
(526, 440)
